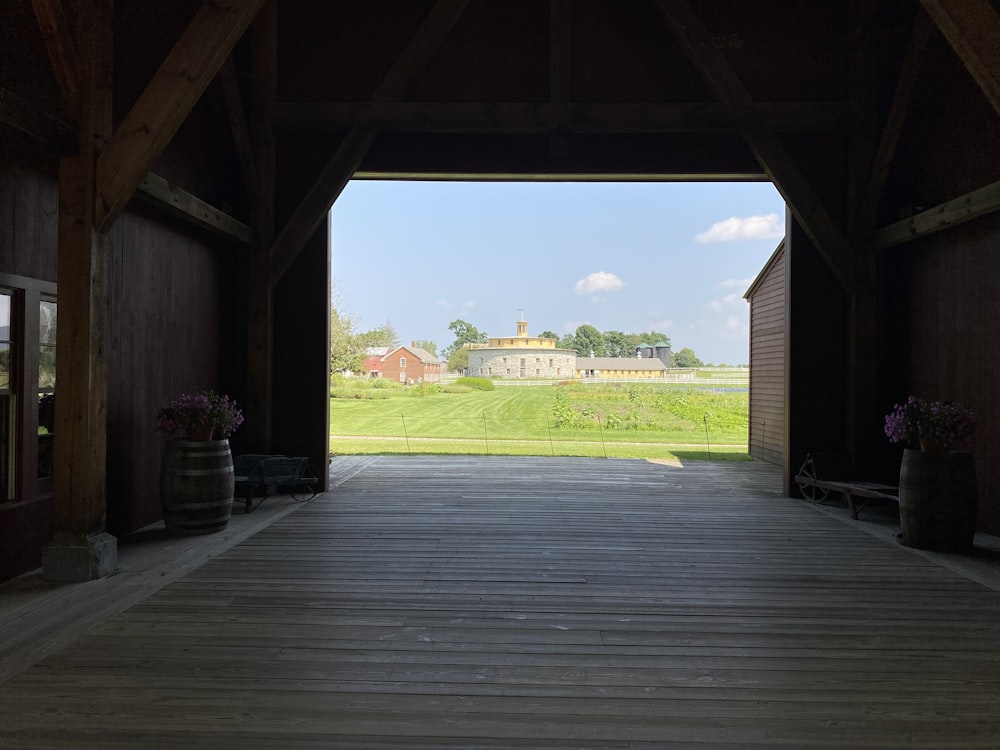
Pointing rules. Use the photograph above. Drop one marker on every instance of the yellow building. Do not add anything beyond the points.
(521, 356)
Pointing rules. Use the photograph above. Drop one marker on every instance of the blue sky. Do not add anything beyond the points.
(671, 257)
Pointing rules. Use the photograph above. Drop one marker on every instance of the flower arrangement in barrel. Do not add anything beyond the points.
(202, 415)
(934, 425)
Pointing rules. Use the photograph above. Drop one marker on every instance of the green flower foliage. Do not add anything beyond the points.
(479, 384)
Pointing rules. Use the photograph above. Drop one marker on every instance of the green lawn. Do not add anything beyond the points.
(626, 421)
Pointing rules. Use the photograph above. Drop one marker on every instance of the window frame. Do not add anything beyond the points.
(27, 295)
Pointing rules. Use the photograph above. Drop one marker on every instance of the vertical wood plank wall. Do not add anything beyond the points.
(816, 354)
(173, 330)
(301, 413)
(945, 307)
(28, 224)
(767, 362)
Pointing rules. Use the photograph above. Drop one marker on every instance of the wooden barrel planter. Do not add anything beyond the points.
(196, 486)
(938, 500)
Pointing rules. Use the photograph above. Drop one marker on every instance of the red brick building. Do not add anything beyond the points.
(411, 364)
(372, 365)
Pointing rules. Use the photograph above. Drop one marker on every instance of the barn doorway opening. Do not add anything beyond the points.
(419, 266)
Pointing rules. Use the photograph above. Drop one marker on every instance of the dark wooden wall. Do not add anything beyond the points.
(816, 385)
(767, 362)
(176, 326)
(28, 213)
(944, 320)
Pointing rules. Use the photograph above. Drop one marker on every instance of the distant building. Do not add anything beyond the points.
(659, 350)
(620, 367)
(521, 356)
(524, 356)
(373, 360)
(411, 364)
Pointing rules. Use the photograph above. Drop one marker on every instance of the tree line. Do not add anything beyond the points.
(348, 347)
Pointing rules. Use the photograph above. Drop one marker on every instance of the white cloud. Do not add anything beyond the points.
(735, 325)
(735, 283)
(662, 325)
(766, 227)
(730, 300)
(600, 281)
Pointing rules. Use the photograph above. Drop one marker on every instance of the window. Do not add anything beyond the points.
(46, 384)
(7, 380)
(27, 387)
(402, 363)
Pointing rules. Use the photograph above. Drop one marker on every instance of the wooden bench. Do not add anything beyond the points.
(264, 475)
(823, 473)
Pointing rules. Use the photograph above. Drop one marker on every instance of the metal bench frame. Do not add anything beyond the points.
(265, 475)
(823, 473)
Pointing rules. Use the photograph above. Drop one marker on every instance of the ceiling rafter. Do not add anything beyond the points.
(60, 43)
(903, 95)
(576, 117)
(972, 28)
(805, 204)
(236, 114)
(166, 102)
(345, 162)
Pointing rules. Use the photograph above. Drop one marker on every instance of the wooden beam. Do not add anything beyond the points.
(971, 206)
(53, 133)
(260, 299)
(521, 117)
(146, 130)
(79, 475)
(903, 95)
(58, 36)
(238, 127)
(972, 28)
(822, 230)
(194, 210)
(560, 51)
(345, 162)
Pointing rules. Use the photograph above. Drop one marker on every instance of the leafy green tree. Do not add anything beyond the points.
(465, 333)
(652, 337)
(618, 344)
(427, 345)
(567, 342)
(384, 335)
(347, 352)
(687, 358)
(548, 335)
(589, 341)
(459, 360)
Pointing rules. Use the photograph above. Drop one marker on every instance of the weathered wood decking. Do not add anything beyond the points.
(535, 602)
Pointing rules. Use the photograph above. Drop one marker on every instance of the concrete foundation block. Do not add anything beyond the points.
(70, 558)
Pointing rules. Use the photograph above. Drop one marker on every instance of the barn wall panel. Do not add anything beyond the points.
(944, 324)
(767, 365)
(174, 318)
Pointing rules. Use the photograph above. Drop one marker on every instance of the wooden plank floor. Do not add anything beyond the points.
(494, 602)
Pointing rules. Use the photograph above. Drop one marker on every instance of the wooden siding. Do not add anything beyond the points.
(767, 364)
(29, 212)
(174, 328)
(534, 603)
(945, 307)
(817, 322)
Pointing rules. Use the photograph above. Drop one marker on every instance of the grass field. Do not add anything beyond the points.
(620, 421)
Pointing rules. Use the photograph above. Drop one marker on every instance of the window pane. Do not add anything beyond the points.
(47, 322)
(4, 367)
(5, 341)
(47, 344)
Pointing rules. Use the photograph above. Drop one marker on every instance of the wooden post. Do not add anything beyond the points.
(260, 305)
(81, 550)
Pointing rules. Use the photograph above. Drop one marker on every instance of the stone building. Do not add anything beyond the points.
(521, 356)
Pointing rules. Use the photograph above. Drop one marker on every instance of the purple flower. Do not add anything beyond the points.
(942, 422)
(201, 409)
